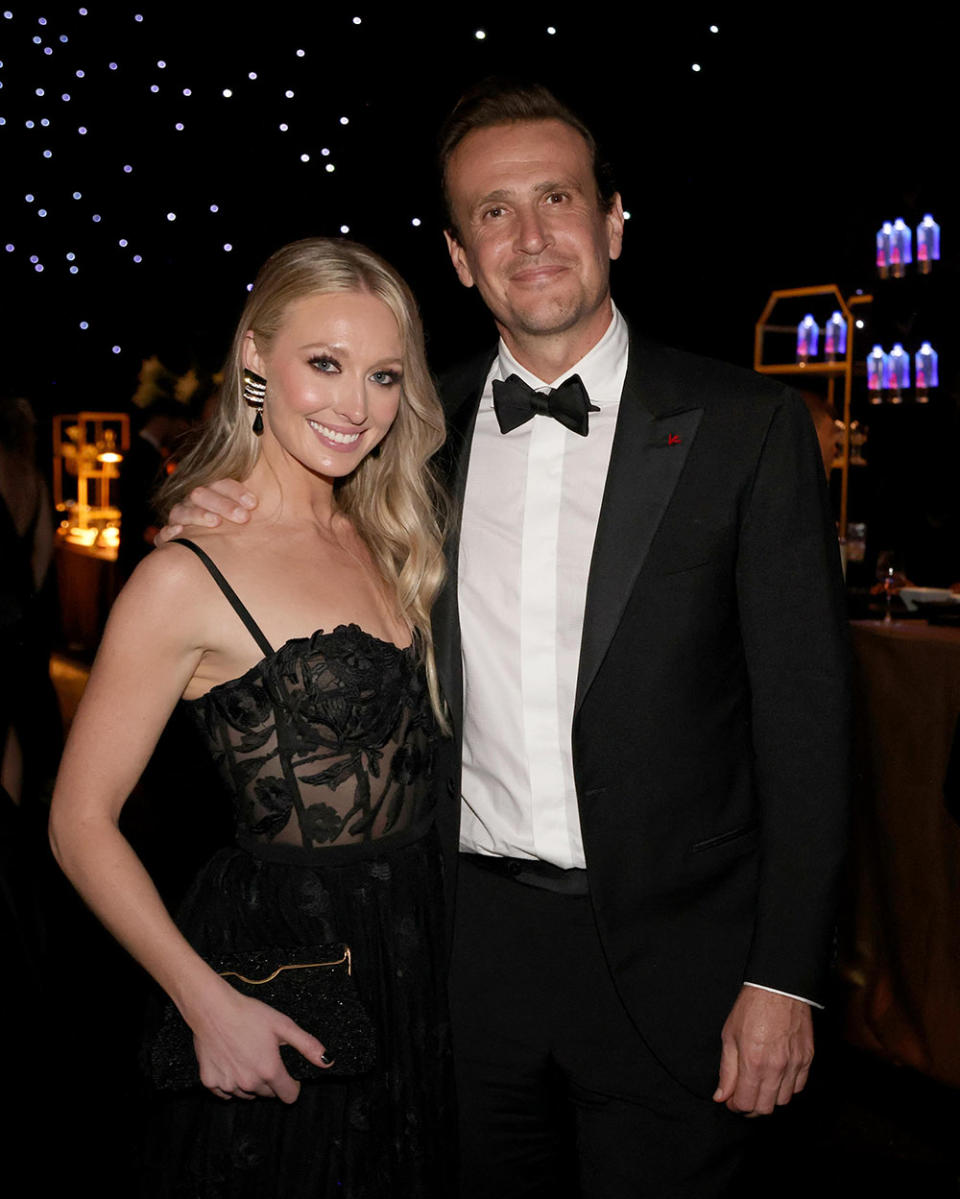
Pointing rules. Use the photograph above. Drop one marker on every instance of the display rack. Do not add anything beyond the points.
(839, 369)
(87, 448)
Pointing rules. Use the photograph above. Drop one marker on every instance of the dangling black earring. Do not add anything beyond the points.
(254, 392)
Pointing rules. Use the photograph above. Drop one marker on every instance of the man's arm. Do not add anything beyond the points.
(226, 499)
(790, 601)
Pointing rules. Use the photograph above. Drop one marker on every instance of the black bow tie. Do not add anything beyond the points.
(515, 402)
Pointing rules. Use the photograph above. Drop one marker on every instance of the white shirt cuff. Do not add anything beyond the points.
(774, 990)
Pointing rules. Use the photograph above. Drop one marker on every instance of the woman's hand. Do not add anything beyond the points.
(226, 499)
(238, 1048)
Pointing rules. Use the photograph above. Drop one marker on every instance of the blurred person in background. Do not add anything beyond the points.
(29, 717)
(165, 426)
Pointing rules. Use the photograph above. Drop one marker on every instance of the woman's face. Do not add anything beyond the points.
(333, 374)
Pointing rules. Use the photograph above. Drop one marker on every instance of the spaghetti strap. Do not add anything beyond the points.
(252, 627)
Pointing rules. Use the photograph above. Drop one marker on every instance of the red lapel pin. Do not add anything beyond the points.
(673, 439)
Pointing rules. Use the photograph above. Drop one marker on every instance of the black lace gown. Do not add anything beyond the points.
(326, 745)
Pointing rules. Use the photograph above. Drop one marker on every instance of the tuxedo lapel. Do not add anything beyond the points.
(656, 427)
(460, 391)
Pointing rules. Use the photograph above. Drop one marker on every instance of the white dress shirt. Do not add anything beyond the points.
(529, 519)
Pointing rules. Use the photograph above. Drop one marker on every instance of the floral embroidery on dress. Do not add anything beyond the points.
(324, 742)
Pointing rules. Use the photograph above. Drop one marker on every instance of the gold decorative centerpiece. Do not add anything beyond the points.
(87, 448)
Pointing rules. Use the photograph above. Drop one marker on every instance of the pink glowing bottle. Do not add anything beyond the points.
(928, 243)
(925, 366)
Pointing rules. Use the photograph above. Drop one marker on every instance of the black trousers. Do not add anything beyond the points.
(559, 1096)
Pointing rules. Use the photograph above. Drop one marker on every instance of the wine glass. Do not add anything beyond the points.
(887, 578)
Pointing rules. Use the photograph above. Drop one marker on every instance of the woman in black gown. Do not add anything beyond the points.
(300, 645)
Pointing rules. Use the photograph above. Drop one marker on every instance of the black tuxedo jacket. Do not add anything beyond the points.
(710, 735)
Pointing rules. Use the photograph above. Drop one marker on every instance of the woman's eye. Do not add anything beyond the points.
(328, 365)
(385, 378)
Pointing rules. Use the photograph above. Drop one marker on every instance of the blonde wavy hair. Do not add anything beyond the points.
(392, 499)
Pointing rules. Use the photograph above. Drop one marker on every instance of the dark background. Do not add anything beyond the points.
(772, 166)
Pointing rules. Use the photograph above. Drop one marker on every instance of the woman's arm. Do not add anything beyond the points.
(151, 648)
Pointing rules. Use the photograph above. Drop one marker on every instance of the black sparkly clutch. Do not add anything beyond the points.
(313, 986)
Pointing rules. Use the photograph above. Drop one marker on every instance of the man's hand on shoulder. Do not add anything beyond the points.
(226, 499)
(767, 1051)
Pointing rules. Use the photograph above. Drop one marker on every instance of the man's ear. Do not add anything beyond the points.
(614, 219)
(458, 256)
(251, 355)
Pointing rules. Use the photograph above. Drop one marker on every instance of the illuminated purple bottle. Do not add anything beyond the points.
(878, 374)
(928, 243)
(899, 373)
(925, 365)
(808, 338)
(883, 249)
(835, 338)
(901, 248)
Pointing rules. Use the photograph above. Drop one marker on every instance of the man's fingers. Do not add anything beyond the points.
(183, 514)
(745, 1096)
(232, 491)
(207, 507)
(765, 1085)
(793, 1082)
(167, 533)
(765, 1098)
(226, 498)
(786, 1090)
(727, 1081)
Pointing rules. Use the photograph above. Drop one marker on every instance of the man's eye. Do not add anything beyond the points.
(386, 378)
(556, 197)
(493, 212)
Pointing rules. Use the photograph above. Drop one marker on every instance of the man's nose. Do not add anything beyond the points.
(533, 236)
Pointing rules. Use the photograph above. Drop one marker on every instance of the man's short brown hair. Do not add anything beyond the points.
(501, 102)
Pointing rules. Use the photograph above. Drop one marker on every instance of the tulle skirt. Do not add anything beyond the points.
(386, 1133)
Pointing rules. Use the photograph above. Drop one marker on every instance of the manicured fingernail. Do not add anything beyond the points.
(248, 500)
(210, 518)
(326, 1059)
(240, 513)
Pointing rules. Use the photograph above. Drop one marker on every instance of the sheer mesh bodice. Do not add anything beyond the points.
(325, 742)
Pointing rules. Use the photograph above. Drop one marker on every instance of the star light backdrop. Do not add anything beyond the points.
(153, 158)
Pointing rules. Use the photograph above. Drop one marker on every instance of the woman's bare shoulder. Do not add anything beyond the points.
(170, 585)
(168, 567)
(159, 626)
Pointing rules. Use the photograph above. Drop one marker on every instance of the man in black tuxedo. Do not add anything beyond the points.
(652, 703)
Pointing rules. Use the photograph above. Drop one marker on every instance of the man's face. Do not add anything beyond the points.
(532, 236)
